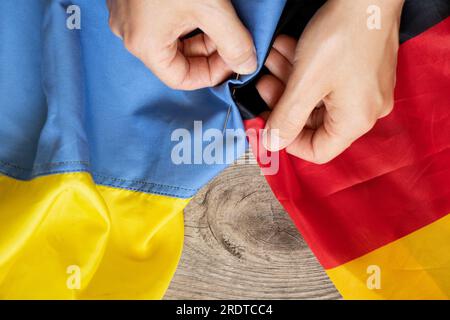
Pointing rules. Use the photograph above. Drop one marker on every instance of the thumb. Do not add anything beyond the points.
(233, 41)
(290, 115)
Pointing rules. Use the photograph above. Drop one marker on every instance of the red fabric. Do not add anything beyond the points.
(392, 181)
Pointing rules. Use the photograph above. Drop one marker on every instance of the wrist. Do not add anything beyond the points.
(390, 7)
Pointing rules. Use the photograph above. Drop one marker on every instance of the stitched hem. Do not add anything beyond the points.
(20, 173)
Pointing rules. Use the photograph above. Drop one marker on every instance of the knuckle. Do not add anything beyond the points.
(323, 156)
(134, 44)
(206, 11)
(176, 81)
(111, 22)
(114, 27)
(380, 100)
(321, 160)
(174, 85)
(366, 124)
(388, 106)
(369, 108)
(210, 8)
(286, 128)
(240, 52)
(363, 122)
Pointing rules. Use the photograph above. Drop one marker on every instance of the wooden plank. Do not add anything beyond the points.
(241, 244)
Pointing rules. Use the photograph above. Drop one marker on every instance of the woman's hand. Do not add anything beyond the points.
(152, 29)
(343, 76)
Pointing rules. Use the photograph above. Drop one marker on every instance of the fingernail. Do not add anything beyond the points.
(271, 140)
(248, 66)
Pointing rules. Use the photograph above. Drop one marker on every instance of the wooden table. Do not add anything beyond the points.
(241, 244)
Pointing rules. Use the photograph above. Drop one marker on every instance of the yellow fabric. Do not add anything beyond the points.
(118, 244)
(414, 267)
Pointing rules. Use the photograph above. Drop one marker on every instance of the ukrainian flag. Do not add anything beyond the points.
(90, 200)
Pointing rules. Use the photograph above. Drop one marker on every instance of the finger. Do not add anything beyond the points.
(315, 119)
(202, 46)
(114, 26)
(270, 89)
(199, 72)
(199, 45)
(173, 68)
(233, 41)
(279, 66)
(116, 30)
(264, 115)
(293, 109)
(286, 45)
(317, 146)
(327, 142)
(109, 5)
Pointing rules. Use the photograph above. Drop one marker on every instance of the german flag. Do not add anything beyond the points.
(377, 217)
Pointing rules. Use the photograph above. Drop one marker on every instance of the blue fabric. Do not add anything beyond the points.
(76, 100)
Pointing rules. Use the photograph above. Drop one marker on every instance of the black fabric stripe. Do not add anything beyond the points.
(420, 15)
(417, 17)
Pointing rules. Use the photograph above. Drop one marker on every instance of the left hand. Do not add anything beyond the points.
(154, 30)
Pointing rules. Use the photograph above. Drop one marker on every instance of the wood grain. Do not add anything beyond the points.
(241, 244)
